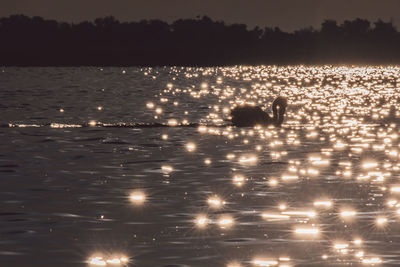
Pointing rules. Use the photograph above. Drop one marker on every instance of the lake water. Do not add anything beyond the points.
(77, 189)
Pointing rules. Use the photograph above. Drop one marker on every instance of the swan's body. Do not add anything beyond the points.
(249, 116)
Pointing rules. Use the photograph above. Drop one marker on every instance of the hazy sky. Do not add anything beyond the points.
(287, 14)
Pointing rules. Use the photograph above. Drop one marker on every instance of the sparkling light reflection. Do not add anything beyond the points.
(108, 261)
(137, 197)
(335, 160)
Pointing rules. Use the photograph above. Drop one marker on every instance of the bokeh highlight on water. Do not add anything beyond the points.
(321, 190)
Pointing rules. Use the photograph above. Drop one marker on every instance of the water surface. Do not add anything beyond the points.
(321, 190)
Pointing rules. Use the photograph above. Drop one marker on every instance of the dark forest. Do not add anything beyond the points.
(35, 41)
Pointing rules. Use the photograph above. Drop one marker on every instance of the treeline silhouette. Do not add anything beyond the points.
(26, 41)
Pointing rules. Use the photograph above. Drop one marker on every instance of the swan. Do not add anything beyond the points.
(249, 116)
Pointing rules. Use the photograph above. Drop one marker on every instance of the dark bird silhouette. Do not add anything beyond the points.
(249, 116)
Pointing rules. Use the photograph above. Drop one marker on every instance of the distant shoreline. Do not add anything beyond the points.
(36, 42)
(308, 64)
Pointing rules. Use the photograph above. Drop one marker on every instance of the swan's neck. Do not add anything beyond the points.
(278, 114)
(275, 115)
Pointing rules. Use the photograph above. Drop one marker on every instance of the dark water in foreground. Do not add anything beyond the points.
(322, 190)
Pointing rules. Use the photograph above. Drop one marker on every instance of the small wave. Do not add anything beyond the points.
(105, 125)
(11, 125)
(10, 253)
(62, 125)
(115, 141)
